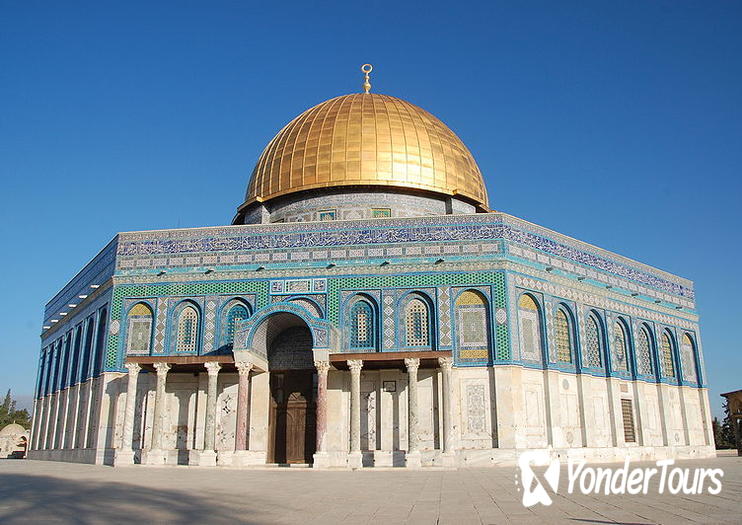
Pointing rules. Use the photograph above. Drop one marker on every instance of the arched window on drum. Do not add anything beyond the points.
(531, 346)
(139, 330)
(472, 325)
(362, 326)
(688, 358)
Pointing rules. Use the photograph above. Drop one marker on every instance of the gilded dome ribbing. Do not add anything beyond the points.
(366, 139)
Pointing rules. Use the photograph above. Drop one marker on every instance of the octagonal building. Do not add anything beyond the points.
(367, 308)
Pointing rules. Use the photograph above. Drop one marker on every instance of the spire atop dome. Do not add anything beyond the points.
(367, 68)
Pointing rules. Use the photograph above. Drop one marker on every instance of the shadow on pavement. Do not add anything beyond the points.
(31, 498)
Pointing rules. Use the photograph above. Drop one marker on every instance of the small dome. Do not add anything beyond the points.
(367, 139)
(12, 429)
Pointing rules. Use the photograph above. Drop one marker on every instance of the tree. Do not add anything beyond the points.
(724, 431)
(8, 413)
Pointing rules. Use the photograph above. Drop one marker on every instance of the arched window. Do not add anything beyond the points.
(472, 326)
(644, 352)
(687, 358)
(57, 361)
(235, 312)
(530, 328)
(79, 349)
(417, 323)
(668, 365)
(593, 342)
(362, 333)
(563, 333)
(187, 337)
(139, 329)
(620, 347)
(66, 360)
(100, 340)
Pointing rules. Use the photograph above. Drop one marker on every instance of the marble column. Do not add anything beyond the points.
(243, 406)
(207, 457)
(446, 364)
(155, 455)
(412, 458)
(321, 456)
(125, 454)
(355, 458)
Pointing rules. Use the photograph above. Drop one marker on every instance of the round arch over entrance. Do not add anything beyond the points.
(286, 340)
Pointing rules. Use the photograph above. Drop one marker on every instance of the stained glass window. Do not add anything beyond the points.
(362, 326)
(237, 312)
(187, 330)
(563, 337)
(688, 361)
(593, 343)
(620, 347)
(140, 329)
(530, 328)
(378, 213)
(327, 215)
(668, 366)
(417, 324)
(644, 352)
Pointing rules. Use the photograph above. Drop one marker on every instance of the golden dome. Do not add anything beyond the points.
(366, 139)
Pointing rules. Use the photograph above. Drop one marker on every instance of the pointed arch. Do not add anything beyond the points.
(233, 311)
(417, 323)
(620, 350)
(139, 329)
(666, 355)
(644, 351)
(530, 328)
(593, 347)
(688, 358)
(187, 320)
(564, 334)
(472, 324)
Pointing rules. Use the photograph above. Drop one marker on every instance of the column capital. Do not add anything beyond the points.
(133, 368)
(212, 367)
(446, 363)
(243, 367)
(322, 366)
(412, 363)
(162, 368)
(355, 365)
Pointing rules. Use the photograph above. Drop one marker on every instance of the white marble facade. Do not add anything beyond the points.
(496, 413)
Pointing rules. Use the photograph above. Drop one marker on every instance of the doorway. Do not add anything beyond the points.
(293, 387)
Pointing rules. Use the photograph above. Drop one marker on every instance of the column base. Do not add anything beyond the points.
(355, 460)
(448, 459)
(123, 458)
(321, 460)
(224, 458)
(248, 458)
(154, 457)
(383, 458)
(202, 458)
(413, 459)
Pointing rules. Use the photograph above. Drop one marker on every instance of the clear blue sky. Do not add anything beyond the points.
(619, 123)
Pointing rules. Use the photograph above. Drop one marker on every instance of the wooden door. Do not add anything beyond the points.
(292, 422)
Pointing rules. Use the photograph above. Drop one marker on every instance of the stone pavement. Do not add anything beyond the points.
(35, 492)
